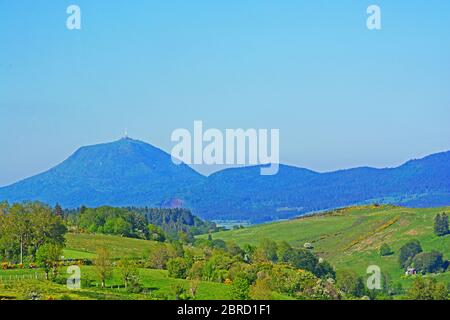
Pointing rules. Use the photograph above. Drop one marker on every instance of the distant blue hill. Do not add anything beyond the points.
(133, 173)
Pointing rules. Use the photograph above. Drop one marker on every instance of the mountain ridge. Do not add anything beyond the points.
(130, 172)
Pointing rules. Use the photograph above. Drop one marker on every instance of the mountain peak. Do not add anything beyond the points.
(123, 172)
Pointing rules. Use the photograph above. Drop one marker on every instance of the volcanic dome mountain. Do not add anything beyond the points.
(121, 173)
(129, 172)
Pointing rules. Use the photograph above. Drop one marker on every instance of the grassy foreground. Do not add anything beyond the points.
(157, 284)
(26, 283)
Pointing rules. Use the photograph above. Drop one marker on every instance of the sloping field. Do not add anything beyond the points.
(350, 238)
(80, 246)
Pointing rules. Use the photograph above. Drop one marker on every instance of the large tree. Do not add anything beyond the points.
(47, 258)
(408, 252)
(427, 262)
(24, 228)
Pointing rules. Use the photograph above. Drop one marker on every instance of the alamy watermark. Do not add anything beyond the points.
(374, 280)
(234, 147)
(74, 279)
(374, 19)
(73, 21)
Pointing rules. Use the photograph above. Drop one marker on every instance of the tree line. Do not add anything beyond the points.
(157, 224)
(26, 228)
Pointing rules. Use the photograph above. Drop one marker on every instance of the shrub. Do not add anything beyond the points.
(196, 270)
(240, 289)
(178, 268)
(180, 292)
(160, 256)
(427, 289)
(350, 283)
(385, 250)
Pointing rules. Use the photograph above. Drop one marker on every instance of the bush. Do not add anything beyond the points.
(427, 289)
(385, 250)
(178, 268)
(159, 256)
(240, 289)
(196, 271)
(350, 283)
(217, 267)
(299, 284)
(180, 292)
(261, 290)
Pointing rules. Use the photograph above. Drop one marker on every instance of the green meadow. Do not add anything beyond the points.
(23, 283)
(80, 246)
(350, 238)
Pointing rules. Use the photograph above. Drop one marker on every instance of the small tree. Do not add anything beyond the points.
(240, 289)
(59, 211)
(178, 268)
(180, 292)
(350, 283)
(261, 290)
(193, 287)
(47, 258)
(156, 233)
(385, 250)
(266, 251)
(159, 256)
(129, 272)
(103, 265)
(441, 224)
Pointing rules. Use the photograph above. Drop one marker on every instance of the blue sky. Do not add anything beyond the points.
(341, 95)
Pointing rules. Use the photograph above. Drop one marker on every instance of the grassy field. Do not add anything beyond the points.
(157, 285)
(21, 283)
(80, 246)
(350, 238)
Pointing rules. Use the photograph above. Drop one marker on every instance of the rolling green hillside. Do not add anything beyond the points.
(17, 284)
(80, 246)
(350, 238)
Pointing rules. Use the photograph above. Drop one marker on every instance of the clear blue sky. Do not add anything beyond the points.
(341, 95)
